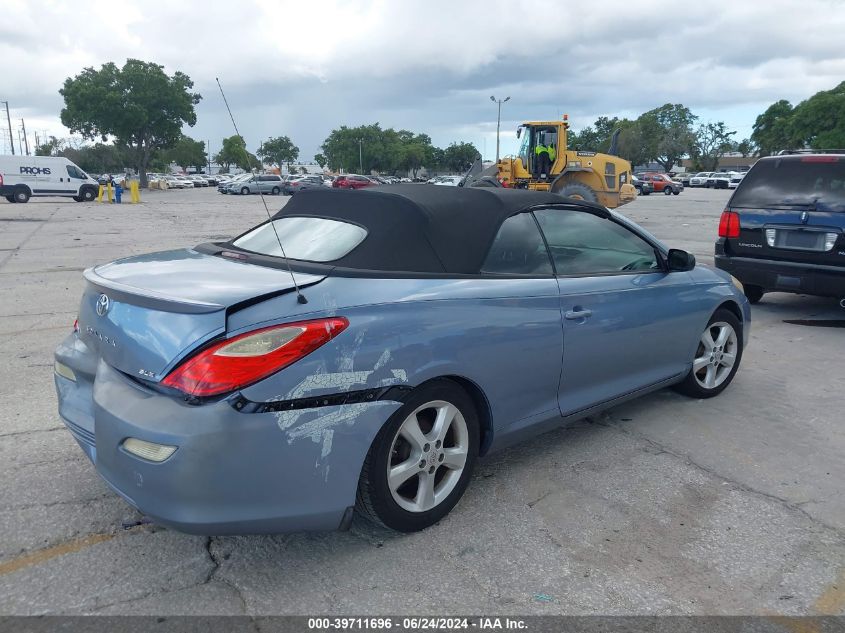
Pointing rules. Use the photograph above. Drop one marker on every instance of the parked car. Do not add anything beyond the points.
(643, 187)
(22, 177)
(449, 181)
(352, 181)
(302, 183)
(736, 178)
(246, 403)
(683, 178)
(784, 227)
(258, 183)
(700, 179)
(174, 182)
(662, 183)
(719, 180)
(197, 180)
(223, 186)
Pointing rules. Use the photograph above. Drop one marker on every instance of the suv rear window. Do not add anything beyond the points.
(817, 181)
(309, 239)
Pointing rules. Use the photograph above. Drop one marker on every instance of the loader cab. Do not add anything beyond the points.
(532, 135)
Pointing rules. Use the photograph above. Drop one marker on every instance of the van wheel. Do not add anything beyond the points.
(21, 195)
(87, 195)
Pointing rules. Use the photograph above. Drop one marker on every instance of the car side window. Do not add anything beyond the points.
(518, 249)
(582, 243)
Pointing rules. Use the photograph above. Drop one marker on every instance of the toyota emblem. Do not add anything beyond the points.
(102, 304)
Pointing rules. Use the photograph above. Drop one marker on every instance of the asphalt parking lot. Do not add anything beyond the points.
(667, 505)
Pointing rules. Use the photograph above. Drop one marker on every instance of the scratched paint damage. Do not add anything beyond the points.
(318, 424)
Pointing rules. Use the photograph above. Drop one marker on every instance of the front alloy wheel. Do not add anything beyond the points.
(716, 358)
(420, 463)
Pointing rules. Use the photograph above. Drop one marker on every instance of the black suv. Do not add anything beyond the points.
(784, 227)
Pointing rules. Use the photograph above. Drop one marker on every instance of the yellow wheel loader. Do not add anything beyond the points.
(583, 175)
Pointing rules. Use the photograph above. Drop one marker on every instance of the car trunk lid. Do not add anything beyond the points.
(143, 314)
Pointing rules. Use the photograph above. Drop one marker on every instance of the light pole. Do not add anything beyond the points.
(498, 120)
(9, 120)
(361, 155)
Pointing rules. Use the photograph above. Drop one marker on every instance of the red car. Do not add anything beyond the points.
(662, 182)
(351, 181)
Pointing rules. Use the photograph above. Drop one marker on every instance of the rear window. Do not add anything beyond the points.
(817, 181)
(309, 239)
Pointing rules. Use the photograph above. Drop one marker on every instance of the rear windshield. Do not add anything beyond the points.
(309, 239)
(815, 181)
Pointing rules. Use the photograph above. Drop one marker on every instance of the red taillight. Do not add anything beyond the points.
(248, 358)
(729, 224)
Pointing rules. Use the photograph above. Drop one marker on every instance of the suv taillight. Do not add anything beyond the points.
(729, 224)
(245, 359)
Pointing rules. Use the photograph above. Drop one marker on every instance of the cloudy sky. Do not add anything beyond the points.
(304, 67)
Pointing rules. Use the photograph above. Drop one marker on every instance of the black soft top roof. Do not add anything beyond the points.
(421, 228)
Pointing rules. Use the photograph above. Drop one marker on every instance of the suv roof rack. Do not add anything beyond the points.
(785, 152)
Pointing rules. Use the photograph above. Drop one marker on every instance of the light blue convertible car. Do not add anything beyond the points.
(404, 334)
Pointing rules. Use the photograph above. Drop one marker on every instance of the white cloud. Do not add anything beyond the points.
(301, 68)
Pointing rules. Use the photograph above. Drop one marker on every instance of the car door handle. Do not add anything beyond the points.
(574, 315)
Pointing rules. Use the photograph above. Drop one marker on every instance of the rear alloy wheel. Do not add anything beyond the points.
(668, 191)
(753, 293)
(21, 195)
(717, 357)
(276, 191)
(420, 464)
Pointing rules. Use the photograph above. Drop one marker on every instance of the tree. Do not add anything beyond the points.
(772, 130)
(51, 147)
(187, 153)
(233, 152)
(278, 150)
(667, 134)
(711, 141)
(320, 160)
(819, 122)
(745, 147)
(139, 105)
(459, 157)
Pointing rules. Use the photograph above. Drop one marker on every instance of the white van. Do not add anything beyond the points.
(22, 177)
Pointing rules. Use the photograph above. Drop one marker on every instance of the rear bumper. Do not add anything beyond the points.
(232, 473)
(773, 275)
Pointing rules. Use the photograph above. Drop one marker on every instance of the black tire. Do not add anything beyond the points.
(276, 191)
(244, 191)
(753, 293)
(690, 386)
(577, 191)
(87, 194)
(667, 191)
(11, 199)
(374, 499)
(21, 195)
(675, 192)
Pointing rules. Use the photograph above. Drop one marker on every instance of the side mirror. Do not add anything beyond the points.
(680, 261)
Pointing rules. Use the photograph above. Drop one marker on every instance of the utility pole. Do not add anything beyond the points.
(498, 120)
(20, 142)
(208, 147)
(9, 120)
(25, 140)
(361, 155)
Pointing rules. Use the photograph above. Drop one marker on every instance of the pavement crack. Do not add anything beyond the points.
(17, 433)
(660, 448)
(213, 577)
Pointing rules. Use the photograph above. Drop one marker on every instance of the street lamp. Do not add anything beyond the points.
(498, 120)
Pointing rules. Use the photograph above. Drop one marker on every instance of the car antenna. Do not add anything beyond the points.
(300, 298)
